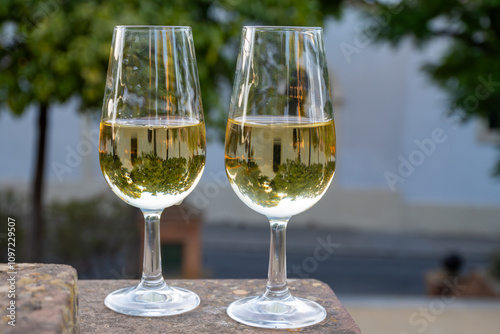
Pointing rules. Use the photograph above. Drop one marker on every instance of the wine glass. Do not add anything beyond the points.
(152, 147)
(280, 152)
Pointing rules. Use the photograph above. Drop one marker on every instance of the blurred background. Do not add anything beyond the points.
(409, 231)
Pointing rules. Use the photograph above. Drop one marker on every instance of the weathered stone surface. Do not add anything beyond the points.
(45, 299)
(210, 316)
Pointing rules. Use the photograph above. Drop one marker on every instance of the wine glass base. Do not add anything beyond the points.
(152, 302)
(290, 312)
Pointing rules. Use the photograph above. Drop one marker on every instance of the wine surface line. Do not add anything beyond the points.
(152, 164)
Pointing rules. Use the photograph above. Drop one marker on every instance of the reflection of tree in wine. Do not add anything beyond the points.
(168, 176)
(152, 174)
(293, 179)
(297, 179)
(252, 183)
(112, 167)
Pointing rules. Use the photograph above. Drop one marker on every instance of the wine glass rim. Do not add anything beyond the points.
(154, 27)
(283, 28)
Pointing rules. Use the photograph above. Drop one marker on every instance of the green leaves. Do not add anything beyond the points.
(152, 174)
(469, 70)
(472, 28)
(293, 179)
(63, 46)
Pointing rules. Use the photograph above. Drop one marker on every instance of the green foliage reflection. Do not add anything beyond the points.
(152, 174)
(292, 180)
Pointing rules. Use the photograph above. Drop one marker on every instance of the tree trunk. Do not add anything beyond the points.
(37, 229)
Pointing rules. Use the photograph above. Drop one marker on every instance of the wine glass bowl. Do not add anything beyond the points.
(280, 152)
(170, 165)
(282, 167)
(152, 146)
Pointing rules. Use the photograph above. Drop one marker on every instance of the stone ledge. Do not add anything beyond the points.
(45, 299)
(210, 316)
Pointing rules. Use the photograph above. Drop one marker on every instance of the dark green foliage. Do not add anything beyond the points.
(299, 179)
(252, 183)
(469, 69)
(88, 233)
(168, 176)
(112, 166)
(152, 174)
(60, 48)
(292, 179)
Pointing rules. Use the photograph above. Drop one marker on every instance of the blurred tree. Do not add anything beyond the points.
(52, 50)
(72, 238)
(469, 69)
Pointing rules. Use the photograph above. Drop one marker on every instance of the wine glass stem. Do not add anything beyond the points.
(276, 281)
(151, 266)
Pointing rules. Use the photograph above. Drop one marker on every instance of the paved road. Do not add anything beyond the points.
(361, 263)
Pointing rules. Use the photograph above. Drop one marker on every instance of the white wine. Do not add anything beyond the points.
(152, 164)
(280, 166)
